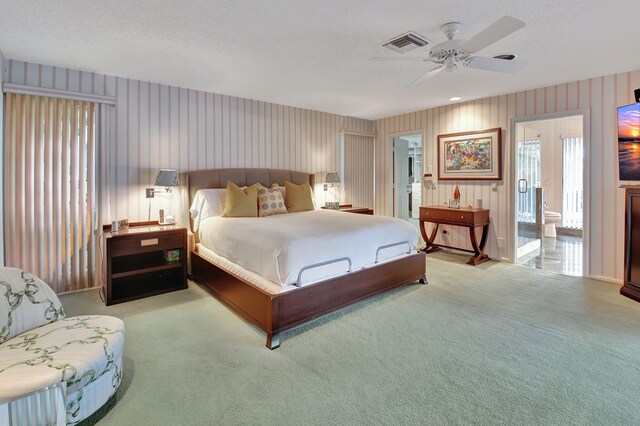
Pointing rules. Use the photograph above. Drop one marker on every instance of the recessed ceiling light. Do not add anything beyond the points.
(455, 98)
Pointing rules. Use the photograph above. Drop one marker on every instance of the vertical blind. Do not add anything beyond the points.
(572, 192)
(50, 196)
(358, 170)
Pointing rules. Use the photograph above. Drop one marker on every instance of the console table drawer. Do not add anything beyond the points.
(142, 244)
(453, 216)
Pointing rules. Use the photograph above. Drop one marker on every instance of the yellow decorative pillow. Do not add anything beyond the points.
(299, 197)
(241, 202)
(270, 201)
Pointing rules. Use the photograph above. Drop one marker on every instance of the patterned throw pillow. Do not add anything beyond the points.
(270, 201)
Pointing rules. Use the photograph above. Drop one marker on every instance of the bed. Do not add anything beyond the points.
(304, 281)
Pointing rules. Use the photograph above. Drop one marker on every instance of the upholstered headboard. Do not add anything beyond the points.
(217, 178)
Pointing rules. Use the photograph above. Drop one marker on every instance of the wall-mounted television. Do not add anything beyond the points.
(629, 142)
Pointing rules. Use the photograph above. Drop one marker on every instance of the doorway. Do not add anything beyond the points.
(407, 157)
(550, 193)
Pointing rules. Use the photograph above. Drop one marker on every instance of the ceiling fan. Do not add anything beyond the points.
(449, 54)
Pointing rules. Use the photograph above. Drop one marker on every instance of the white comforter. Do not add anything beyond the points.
(278, 247)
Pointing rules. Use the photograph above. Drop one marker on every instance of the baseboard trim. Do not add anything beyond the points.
(78, 291)
(607, 279)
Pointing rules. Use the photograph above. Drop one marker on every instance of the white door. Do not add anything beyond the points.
(529, 178)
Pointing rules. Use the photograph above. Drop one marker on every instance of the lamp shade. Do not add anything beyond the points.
(332, 177)
(167, 177)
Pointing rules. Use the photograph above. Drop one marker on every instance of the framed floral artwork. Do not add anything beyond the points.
(470, 155)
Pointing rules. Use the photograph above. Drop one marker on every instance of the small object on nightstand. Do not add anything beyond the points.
(161, 216)
(332, 205)
(172, 255)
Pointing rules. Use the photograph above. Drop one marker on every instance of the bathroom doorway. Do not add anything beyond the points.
(407, 158)
(550, 194)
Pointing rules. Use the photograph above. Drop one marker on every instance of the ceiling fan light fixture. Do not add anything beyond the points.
(450, 64)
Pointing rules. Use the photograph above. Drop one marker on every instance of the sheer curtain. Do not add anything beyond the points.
(572, 191)
(50, 189)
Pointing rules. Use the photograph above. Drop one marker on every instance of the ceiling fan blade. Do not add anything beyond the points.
(494, 32)
(398, 58)
(498, 65)
(427, 74)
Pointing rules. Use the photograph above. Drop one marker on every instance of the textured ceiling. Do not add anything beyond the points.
(315, 54)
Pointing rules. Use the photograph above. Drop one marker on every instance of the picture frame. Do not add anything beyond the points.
(470, 155)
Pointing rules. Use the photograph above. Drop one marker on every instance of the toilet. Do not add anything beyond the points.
(550, 220)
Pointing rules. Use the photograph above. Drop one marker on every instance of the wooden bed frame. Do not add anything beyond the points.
(277, 313)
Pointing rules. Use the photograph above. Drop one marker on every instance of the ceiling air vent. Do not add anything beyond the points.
(406, 42)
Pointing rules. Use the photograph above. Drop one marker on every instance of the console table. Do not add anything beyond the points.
(468, 218)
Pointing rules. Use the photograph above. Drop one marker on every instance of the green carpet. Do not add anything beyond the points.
(491, 345)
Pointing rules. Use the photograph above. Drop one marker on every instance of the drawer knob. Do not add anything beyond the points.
(149, 242)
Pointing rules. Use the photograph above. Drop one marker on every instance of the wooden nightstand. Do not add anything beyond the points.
(136, 265)
(359, 210)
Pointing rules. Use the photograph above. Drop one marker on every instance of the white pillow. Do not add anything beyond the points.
(207, 203)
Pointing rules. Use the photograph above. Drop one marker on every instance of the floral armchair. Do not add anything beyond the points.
(53, 369)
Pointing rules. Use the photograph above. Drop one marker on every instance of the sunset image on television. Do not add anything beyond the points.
(629, 142)
(629, 123)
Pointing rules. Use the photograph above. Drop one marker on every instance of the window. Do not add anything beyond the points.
(50, 189)
(572, 165)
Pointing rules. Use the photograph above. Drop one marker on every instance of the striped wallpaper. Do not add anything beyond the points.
(157, 126)
(601, 95)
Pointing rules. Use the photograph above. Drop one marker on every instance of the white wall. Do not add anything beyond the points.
(601, 95)
(155, 126)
